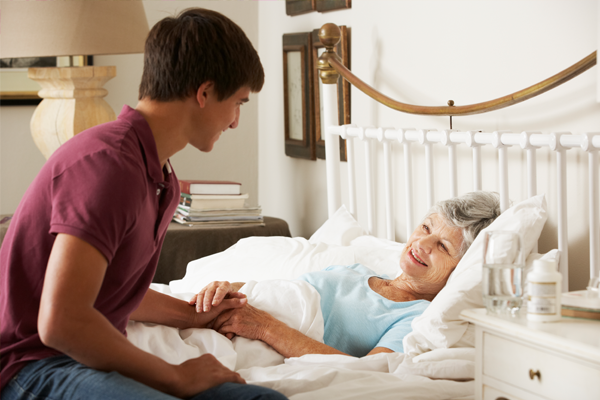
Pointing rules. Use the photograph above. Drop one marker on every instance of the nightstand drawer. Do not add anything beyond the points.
(490, 393)
(538, 372)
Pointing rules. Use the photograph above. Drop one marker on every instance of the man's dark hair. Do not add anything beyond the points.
(197, 46)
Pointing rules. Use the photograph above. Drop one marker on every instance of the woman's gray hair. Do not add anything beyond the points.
(471, 213)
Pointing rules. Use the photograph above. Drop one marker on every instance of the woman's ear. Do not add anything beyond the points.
(204, 92)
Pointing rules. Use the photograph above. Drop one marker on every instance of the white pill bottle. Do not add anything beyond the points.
(544, 289)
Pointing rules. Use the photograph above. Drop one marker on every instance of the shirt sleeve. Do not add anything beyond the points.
(95, 199)
(392, 338)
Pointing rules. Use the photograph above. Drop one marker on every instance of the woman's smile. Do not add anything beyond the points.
(416, 258)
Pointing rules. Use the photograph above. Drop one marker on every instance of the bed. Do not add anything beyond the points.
(439, 357)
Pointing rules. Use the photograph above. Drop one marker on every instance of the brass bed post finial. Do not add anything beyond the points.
(330, 35)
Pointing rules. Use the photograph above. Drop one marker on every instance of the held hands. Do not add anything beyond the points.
(243, 319)
(214, 299)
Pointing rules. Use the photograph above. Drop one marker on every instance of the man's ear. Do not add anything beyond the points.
(204, 92)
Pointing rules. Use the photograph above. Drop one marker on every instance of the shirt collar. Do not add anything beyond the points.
(148, 145)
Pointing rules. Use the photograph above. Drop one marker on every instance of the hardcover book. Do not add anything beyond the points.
(227, 223)
(578, 304)
(193, 186)
(213, 201)
(231, 212)
(587, 313)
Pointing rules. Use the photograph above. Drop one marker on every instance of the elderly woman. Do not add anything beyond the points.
(364, 313)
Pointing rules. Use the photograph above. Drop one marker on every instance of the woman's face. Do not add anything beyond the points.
(432, 251)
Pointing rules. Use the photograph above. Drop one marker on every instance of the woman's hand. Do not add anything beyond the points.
(214, 293)
(247, 321)
(206, 319)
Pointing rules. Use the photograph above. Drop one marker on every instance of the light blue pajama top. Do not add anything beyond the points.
(357, 319)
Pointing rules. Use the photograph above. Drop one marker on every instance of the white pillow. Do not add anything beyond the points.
(340, 229)
(380, 255)
(261, 258)
(440, 325)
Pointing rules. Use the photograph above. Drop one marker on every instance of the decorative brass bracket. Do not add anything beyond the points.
(330, 67)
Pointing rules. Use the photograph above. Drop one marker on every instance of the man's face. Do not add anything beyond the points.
(217, 117)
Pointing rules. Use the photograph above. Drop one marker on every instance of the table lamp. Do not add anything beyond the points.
(73, 96)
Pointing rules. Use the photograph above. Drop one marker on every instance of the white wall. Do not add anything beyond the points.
(418, 51)
(234, 157)
(427, 52)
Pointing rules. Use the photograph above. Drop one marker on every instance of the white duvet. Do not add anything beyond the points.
(439, 359)
(439, 374)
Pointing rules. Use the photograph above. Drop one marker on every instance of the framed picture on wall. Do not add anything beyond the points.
(297, 96)
(17, 89)
(330, 5)
(297, 7)
(343, 50)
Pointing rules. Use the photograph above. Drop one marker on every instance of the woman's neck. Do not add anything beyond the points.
(415, 289)
(390, 291)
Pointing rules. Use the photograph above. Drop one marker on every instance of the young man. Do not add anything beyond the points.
(83, 244)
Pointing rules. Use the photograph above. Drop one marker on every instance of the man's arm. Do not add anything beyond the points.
(163, 309)
(68, 322)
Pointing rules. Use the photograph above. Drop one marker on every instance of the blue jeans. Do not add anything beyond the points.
(62, 378)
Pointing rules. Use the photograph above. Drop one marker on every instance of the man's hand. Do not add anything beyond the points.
(202, 373)
(214, 293)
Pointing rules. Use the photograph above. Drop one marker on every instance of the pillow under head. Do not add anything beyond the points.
(440, 325)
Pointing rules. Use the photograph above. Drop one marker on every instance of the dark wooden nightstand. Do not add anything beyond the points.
(186, 243)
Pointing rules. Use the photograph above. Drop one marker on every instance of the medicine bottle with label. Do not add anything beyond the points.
(544, 288)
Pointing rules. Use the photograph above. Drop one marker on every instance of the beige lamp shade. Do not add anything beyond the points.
(73, 97)
(72, 27)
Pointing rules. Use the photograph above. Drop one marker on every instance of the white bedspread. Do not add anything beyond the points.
(439, 374)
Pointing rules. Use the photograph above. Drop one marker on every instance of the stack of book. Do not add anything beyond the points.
(215, 203)
(580, 304)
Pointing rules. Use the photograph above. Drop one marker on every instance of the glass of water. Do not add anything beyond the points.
(503, 272)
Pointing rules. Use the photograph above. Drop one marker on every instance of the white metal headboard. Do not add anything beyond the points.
(528, 142)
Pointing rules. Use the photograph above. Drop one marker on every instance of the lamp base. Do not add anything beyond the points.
(73, 100)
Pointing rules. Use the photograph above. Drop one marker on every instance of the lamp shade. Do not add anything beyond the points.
(72, 27)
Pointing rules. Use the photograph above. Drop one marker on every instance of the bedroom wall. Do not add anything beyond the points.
(427, 52)
(234, 157)
(417, 51)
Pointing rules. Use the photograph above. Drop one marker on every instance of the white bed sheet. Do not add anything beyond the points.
(439, 374)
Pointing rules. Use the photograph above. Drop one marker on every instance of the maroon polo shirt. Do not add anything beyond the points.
(105, 186)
